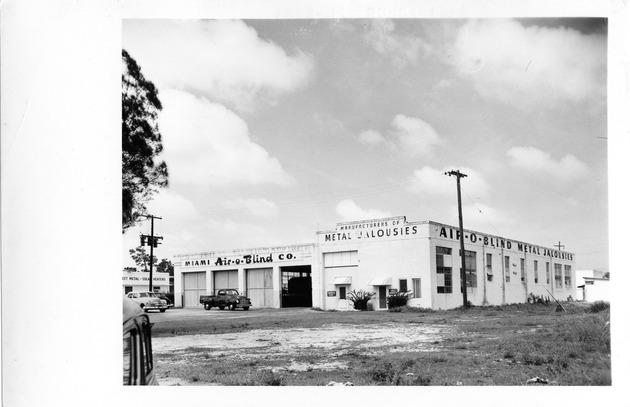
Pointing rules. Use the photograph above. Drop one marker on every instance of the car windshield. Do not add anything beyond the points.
(148, 295)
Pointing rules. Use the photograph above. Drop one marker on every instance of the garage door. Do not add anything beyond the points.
(225, 279)
(260, 287)
(194, 286)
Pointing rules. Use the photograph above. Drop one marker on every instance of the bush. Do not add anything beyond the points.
(360, 299)
(599, 306)
(398, 299)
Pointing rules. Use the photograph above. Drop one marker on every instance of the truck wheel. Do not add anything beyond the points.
(163, 310)
(221, 307)
(231, 307)
(207, 306)
(246, 308)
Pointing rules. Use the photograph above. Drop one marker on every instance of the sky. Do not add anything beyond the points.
(274, 129)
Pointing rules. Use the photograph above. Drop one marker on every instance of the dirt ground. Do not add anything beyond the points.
(291, 347)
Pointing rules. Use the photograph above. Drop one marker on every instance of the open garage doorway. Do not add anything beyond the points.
(296, 286)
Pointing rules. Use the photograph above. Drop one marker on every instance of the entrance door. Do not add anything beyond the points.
(382, 296)
(260, 287)
(194, 286)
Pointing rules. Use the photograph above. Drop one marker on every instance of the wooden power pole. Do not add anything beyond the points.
(460, 175)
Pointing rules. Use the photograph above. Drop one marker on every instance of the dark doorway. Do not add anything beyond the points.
(297, 288)
(382, 296)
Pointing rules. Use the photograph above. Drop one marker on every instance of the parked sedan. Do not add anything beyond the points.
(148, 300)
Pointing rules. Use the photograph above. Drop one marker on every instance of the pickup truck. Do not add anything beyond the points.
(229, 298)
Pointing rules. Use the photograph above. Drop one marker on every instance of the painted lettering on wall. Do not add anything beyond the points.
(499, 243)
(245, 259)
(372, 233)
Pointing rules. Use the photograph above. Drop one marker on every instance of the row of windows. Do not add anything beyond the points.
(444, 268)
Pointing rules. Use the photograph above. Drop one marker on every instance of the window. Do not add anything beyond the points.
(536, 271)
(416, 288)
(342, 293)
(127, 346)
(470, 260)
(444, 270)
(402, 284)
(567, 276)
(341, 259)
(489, 266)
(507, 269)
(558, 275)
(522, 269)
(547, 272)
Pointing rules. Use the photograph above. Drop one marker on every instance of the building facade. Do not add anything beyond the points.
(382, 256)
(139, 281)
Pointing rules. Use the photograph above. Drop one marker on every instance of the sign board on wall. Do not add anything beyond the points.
(254, 257)
(331, 293)
(130, 277)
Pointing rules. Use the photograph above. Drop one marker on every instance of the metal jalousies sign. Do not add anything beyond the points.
(500, 243)
(392, 227)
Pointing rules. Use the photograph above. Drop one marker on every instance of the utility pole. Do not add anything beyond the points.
(460, 175)
(153, 241)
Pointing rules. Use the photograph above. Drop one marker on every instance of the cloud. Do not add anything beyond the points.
(432, 181)
(350, 211)
(206, 144)
(479, 216)
(527, 66)
(172, 206)
(374, 138)
(415, 136)
(258, 207)
(401, 49)
(537, 161)
(223, 59)
(411, 135)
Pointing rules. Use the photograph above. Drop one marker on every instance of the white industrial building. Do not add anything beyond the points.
(381, 256)
(592, 285)
(139, 281)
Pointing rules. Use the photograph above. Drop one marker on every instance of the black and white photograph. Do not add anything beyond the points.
(387, 201)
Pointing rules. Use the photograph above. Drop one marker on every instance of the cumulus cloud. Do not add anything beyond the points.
(374, 138)
(350, 211)
(537, 161)
(258, 207)
(224, 59)
(206, 144)
(172, 206)
(411, 135)
(401, 49)
(433, 181)
(527, 66)
(415, 136)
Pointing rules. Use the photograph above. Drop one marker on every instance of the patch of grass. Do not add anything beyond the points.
(498, 346)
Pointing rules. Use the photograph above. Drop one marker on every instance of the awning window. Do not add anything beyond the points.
(381, 281)
(341, 280)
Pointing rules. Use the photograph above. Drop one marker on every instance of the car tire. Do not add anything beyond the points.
(142, 306)
(163, 310)
(231, 307)
(246, 308)
(207, 306)
(221, 307)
